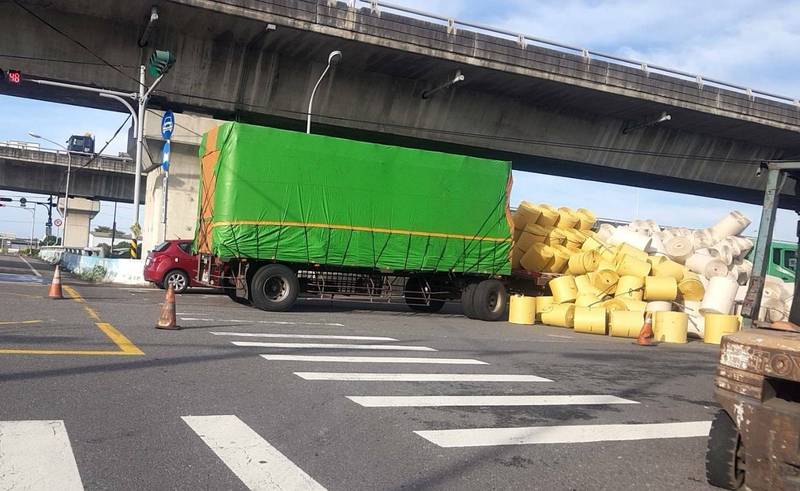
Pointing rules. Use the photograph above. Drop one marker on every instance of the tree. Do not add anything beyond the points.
(103, 229)
(50, 240)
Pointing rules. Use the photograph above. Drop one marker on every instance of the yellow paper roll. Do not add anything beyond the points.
(630, 266)
(588, 300)
(590, 320)
(556, 236)
(549, 216)
(634, 305)
(609, 254)
(583, 262)
(625, 324)
(613, 304)
(575, 239)
(567, 218)
(585, 286)
(542, 303)
(532, 234)
(660, 288)
(516, 256)
(537, 258)
(669, 268)
(526, 213)
(630, 287)
(522, 310)
(604, 280)
(586, 217)
(560, 315)
(691, 287)
(592, 244)
(718, 325)
(629, 250)
(563, 288)
(653, 260)
(560, 259)
(670, 327)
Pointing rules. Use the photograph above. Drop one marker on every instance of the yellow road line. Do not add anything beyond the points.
(127, 348)
(5, 323)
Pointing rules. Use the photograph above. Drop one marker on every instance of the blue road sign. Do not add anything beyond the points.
(165, 156)
(167, 125)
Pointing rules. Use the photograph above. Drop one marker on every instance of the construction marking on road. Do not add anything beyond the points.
(30, 266)
(126, 347)
(303, 336)
(258, 464)
(373, 359)
(274, 323)
(451, 401)
(536, 435)
(418, 377)
(37, 455)
(6, 323)
(389, 347)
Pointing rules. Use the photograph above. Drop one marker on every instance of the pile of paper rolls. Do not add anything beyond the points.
(636, 268)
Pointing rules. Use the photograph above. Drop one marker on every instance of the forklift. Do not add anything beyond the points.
(754, 441)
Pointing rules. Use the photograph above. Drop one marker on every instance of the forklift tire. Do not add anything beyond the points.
(466, 300)
(274, 288)
(490, 300)
(725, 455)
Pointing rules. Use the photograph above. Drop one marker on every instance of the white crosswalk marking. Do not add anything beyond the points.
(259, 465)
(418, 377)
(37, 455)
(302, 336)
(483, 437)
(386, 347)
(445, 401)
(373, 359)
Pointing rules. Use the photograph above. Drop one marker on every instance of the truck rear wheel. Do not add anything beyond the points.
(274, 287)
(467, 295)
(490, 300)
(415, 296)
(725, 464)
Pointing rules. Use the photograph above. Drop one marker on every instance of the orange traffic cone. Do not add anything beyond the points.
(55, 285)
(167, 318)
(646, 334)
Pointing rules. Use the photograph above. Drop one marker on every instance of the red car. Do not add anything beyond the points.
(172, 263)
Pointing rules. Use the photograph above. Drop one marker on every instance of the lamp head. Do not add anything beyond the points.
(335, 57)
(34, 134)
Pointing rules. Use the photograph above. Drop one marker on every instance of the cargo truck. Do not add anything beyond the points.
(284, 214)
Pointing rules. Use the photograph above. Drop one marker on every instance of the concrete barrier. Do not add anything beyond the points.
(95, 268)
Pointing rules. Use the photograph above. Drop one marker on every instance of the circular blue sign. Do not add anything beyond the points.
(167, 125)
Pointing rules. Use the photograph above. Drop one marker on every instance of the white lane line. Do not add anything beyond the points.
(273, 323)
(259, 465)
(302, 336)
(446, 401)
(418, 377)
(373, 359)
(535, 435)
(389, 347)
(30, 266)
(37, 455)
(560, 336)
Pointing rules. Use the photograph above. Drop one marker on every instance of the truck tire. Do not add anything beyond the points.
(467, 295)
(725, 455)
(274, 287)
(490, 300)
(413, 295)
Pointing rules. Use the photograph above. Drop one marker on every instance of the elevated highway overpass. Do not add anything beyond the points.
(547, 107)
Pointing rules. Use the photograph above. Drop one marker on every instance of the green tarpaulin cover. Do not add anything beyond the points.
(281, 195)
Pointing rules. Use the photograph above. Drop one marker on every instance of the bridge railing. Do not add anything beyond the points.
(523, 39)
(59, 157)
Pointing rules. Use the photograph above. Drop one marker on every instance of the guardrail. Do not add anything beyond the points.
(523, 39)
(59, 157)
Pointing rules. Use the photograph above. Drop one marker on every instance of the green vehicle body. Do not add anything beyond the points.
(782, 262)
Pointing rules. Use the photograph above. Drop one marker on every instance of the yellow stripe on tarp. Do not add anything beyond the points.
(358, 229)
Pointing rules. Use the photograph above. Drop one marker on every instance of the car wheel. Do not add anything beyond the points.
(178, 280)
(274, 288)
(490, 300)
(725, 457)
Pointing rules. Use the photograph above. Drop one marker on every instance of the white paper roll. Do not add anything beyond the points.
(720, 296)
(656, 245)
(679, 249)
(696, 319)
(628, 236)
(706, 265)
(745, 245)
(731, 224)
(604, 232)
(658, 306)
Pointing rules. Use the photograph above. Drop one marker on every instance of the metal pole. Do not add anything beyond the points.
(114, 228)
(165, 197)
(135, 228)
(311, 100)
(66, 201)
(33, 224)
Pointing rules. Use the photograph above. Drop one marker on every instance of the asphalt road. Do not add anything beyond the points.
(93, 396)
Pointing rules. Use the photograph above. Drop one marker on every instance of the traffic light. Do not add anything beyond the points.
(160, 62)
(13, 77)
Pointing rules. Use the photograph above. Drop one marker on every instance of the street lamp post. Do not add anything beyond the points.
(333, 59)
(66, 191)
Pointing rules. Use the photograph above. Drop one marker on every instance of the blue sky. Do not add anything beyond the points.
(747, 42)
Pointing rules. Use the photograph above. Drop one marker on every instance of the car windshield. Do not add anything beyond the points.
(161, 247)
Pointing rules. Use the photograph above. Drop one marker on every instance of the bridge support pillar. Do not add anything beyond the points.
(79, 217)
